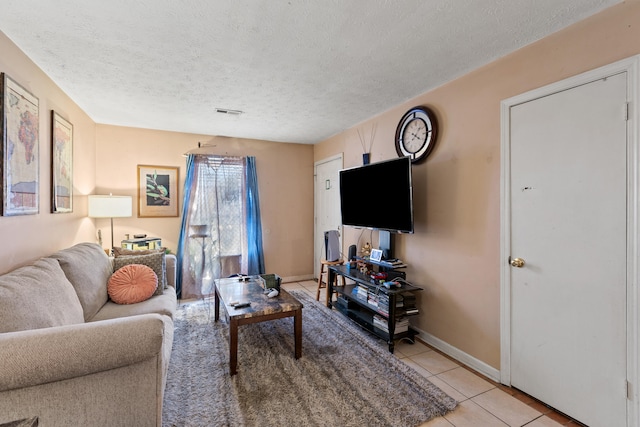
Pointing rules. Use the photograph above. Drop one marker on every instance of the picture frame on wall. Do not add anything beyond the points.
(157, 191)
(20, 149)
(61, 164)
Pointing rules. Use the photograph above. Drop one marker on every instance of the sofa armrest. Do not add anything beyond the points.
(40, 356)
(170, 261)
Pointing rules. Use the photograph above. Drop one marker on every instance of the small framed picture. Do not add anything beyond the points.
(61, 164)
(376, 255)
(157, 191)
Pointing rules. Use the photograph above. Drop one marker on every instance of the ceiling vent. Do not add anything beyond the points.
(230, 112)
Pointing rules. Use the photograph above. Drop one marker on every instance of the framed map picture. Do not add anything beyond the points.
(157, 191)
(20, 149)
(61, 164)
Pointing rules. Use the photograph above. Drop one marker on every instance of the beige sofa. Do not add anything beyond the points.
(72, 357)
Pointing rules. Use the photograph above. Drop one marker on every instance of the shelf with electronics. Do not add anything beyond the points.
(380, 299)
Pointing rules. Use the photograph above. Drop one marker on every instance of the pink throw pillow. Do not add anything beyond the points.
(132, 283)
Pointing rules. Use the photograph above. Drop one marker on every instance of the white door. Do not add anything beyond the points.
(569, 225)
(327, 205)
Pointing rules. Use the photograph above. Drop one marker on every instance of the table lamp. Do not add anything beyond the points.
(110, 207)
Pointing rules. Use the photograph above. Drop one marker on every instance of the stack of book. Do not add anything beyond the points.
(372, 299)
(383, 304)
(362, 292)
(402, 324)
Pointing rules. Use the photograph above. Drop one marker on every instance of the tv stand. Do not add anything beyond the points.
(379, 301)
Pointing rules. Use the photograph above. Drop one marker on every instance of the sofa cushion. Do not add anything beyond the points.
(38, 296)
(156, 261)
(131, 284)
(164, 304)
(88, 268)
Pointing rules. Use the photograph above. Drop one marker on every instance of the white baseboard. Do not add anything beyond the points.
(302, 278)
(459, 355)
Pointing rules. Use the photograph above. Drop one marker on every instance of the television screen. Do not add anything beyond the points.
(378, 195)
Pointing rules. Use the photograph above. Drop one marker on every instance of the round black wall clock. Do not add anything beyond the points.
(416, 134)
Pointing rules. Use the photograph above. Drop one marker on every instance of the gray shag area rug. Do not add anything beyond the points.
(346, 377)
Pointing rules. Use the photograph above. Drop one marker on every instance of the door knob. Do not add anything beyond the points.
(517, 262)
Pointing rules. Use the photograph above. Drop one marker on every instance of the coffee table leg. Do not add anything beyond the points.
(297, 330)
(216, 302)
(233, 346)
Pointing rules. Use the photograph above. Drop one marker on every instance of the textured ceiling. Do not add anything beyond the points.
(301, 70)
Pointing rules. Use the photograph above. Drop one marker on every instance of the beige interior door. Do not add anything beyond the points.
(327, 205)
(569, 226)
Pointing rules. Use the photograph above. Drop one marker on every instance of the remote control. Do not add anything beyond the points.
(243, 305)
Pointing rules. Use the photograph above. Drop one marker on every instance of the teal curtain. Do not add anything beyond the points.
(188, 184)
(254, 224)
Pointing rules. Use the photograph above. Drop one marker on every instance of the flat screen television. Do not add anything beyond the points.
(378, 196)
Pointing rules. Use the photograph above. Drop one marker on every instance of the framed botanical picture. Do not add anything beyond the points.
(157, 191)
(61, 164)
(20, 149)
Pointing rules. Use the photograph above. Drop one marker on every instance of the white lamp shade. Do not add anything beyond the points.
(110, 206)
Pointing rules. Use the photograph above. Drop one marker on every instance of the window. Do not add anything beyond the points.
(214, 246)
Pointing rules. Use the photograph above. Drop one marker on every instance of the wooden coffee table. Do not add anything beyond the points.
(262, 309)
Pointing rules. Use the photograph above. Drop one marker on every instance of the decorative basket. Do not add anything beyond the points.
(271, 281)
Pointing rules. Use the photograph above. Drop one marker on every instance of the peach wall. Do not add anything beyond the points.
(27, 237)
(285, 178)
(454, 253)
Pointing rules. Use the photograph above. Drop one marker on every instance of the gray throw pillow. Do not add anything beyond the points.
(38, 296)
(88, 269)
(156, 261)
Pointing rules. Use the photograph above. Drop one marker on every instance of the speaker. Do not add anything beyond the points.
(332, 245)
(352, 253)
(386, 244)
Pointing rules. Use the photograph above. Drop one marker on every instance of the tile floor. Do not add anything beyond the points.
(482, 402)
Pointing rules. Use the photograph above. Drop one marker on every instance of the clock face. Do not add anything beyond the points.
(416, 134)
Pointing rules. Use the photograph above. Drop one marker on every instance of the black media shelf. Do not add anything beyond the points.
(361, 311)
